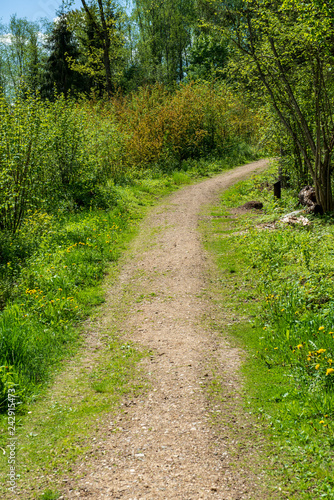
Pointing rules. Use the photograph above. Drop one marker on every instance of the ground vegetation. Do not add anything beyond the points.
(282, 277)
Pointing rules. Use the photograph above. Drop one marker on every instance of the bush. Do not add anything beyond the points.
(197, 119)
(24, 170)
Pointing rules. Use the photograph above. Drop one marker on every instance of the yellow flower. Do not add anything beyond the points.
(317, 367)
(299, 346)
(321, 422)
(320, 351)
(329, 371)
(321, 328)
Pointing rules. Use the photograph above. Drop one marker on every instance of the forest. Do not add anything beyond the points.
(114, 104)
(99, 111)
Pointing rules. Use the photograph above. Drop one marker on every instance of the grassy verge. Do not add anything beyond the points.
(279, 280)
(54, 284)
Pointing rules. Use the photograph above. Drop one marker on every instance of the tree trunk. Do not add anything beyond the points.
(106, 50)
(323, 187)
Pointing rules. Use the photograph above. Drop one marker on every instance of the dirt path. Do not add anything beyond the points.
(165, 447)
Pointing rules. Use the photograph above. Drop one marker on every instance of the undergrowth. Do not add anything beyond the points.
(50, 271)
(283, 277)
(54, 268)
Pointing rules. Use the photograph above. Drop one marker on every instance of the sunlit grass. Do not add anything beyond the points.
(283, 282)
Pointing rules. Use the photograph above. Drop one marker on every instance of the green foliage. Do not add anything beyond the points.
(285, 59)
(99, 30)
(24, 170)
(197, 119)
(8, 383)
(64, 153)
(50, 495)
(71, 175)
(59, 77)
(52, 153)
(284, 276)
(53, 290)
(165, 29)
(207, 57)
(21, 55)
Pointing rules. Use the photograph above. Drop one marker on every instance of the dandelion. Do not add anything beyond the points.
(321, 422)
(320, 351)
(299, 346)
(321, 328)
(329, 371)
(317, 367)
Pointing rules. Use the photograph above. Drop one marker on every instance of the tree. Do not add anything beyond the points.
(22, 55)
(285, 55)
(165, 28)
(207, 57)
(104, 39)
(59, 75)
(3, 72)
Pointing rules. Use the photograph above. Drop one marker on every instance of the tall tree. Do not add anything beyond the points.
(209, 50)
(165, 37)
(3, 72)
(103, 36)
(208, 56)
(59, 75)
(285, 55)
(22, 54)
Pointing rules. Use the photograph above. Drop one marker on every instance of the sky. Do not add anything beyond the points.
(31, 9)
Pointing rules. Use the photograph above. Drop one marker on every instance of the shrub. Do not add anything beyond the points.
(197, 119)
(24, 172)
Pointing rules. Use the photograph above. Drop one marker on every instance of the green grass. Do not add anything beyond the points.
(277, 284)
(51, 271)
(50, 495)
(54, 269)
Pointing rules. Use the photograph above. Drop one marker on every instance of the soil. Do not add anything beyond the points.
(174, 442)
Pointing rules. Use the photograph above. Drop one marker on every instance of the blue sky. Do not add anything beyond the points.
(31, 9)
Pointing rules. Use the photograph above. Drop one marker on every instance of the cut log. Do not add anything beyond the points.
(308, 199)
